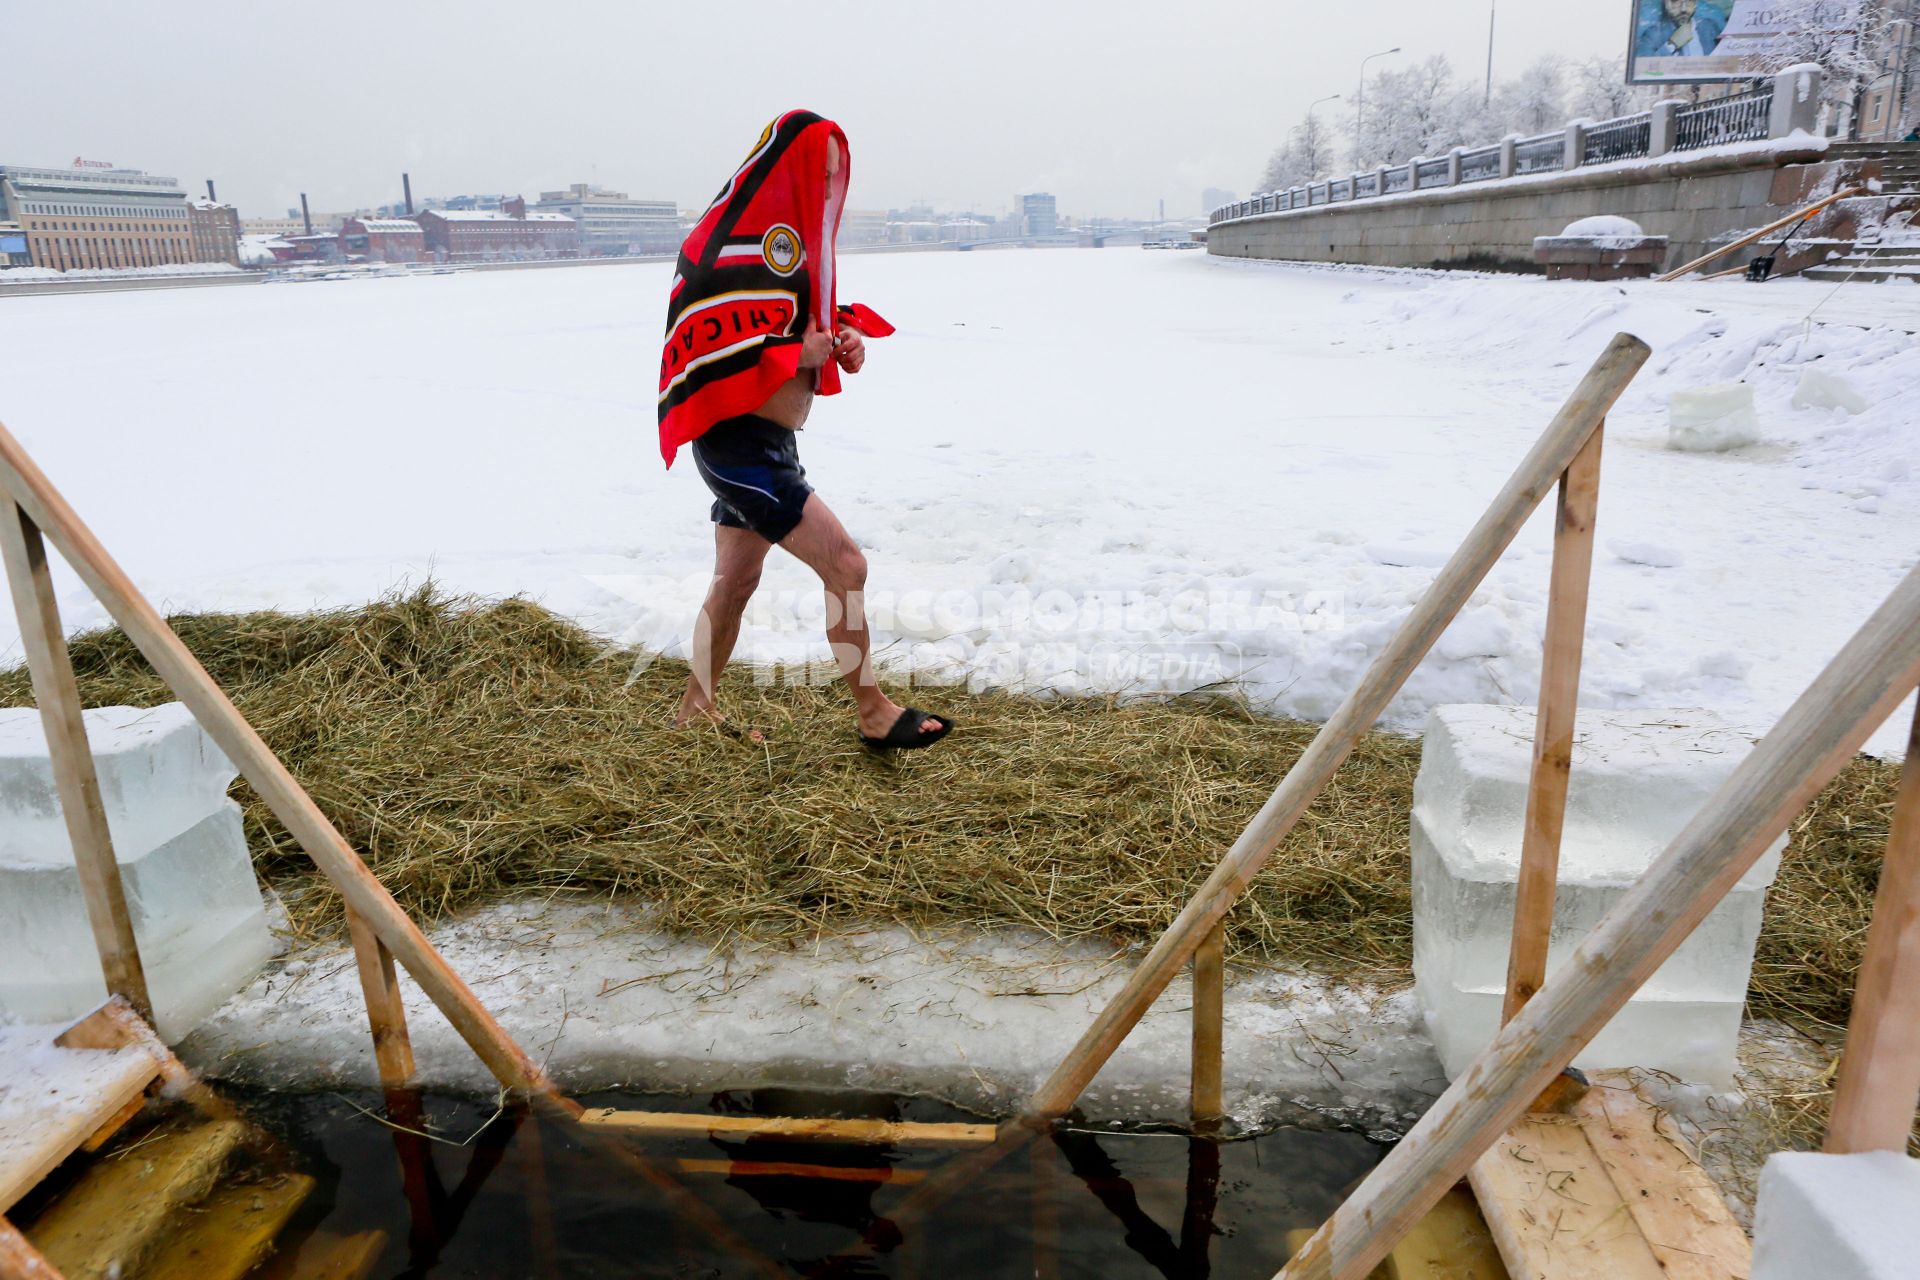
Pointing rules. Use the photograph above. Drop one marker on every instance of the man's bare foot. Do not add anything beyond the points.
(878, 720)
(712, 717)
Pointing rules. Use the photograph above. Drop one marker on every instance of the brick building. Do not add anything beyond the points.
(215, 231)
(384, 240)
(93, 216)
(506, 234)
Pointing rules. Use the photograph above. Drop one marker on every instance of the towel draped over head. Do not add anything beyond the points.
(752, 274)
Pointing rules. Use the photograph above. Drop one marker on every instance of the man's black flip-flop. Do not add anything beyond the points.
(906, 735)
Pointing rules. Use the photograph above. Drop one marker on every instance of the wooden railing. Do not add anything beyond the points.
(1567, 454)
(1880, 1081)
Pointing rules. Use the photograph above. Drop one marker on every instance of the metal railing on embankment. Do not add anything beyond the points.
(1669, 128)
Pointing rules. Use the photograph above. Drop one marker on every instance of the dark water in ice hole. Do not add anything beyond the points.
(1118, 1203)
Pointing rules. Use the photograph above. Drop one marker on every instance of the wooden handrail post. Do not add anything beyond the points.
(1830, 721)
(386, 1012)
(1209, 1013)
(28, 486)
(1553, 725)
(58, 695)
(1550, 456)
(1879, 1086)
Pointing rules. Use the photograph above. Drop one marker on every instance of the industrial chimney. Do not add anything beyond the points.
(406, 185)
(305, 215)
(211, 198)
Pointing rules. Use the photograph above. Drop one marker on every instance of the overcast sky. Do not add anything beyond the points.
(1110, 106)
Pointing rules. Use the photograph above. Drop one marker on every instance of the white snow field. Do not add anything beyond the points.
(1073, 470)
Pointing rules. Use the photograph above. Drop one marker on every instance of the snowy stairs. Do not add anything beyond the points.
(1870, 261)
(176, 1203)
(104, 1190)
(1899, 162)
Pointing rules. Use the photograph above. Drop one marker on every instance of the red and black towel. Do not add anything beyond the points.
(758, 266)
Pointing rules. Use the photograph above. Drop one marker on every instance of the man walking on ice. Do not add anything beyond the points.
(754, 333)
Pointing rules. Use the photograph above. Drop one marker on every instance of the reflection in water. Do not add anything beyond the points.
(511, 1194)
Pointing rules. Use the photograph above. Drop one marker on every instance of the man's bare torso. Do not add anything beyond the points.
(792, 402)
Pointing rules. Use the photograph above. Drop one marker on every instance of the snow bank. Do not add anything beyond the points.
(606, 1000)
(1254, 497)
(21, 274)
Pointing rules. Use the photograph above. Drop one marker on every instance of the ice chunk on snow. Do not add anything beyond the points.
(1647, 553)
(1638, 777)
(1819, 389)
(1712, 419)
(1819, 1216)
(197, 911)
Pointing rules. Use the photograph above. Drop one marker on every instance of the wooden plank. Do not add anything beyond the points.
(52, 1102)
(120, 1212)
(1879, 1082)
(901, 1133)
(1553, 725)
(29, 487)
(57, 694)
(230, 1233)
(19, 1260)
(1209, 1014)
(115, 1025)
(325, 1256)
(1452, 1242)
(1553, 1209)
(1675, 1205)
(1825, 726)
(1455, 584)
(386, 1011)
(789, 1169)
(105, 1133)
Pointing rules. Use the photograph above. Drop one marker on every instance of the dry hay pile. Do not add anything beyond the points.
(469, 747)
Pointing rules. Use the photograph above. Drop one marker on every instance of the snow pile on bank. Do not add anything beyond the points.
(1072, 471)
(608, 1000)
(15, 275)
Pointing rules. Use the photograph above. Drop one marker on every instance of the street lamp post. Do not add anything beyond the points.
(1332, 97)
(1360, 98)
(1489, 95)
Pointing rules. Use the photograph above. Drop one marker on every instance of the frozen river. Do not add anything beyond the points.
(1072, 469)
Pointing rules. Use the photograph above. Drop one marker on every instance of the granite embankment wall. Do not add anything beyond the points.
(1694, 200)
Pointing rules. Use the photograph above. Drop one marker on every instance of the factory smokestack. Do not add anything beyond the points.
(406, 185)
(211, 198)
(305, 216)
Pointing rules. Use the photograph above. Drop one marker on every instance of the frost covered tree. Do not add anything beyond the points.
(1598, 90)
(1415, 111)
(1535, 100)
(1304, 157)
(1839, 36)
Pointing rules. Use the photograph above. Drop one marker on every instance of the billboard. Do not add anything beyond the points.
(1694, 41)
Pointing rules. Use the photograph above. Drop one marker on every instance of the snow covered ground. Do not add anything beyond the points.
(1072, 469)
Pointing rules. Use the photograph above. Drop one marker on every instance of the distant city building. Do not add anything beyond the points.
(215, 229)
(93, 216)
(321, 246)
(613, 224)
(13, 246)
(863, 226)
(1213, 197)
(467, 204)
(384, 240)
(1038, 215)
(509, 233)
(273, 226)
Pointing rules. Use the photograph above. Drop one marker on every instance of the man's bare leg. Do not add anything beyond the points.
(823, 544)
(738, 555)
